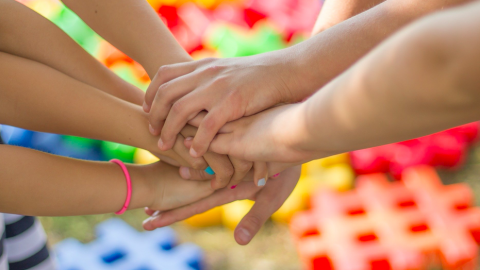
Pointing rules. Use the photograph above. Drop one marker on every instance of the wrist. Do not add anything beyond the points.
(142, 187)
(304, 138)
(300, 74)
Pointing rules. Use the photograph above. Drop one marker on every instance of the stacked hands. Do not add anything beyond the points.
(207, 107)
(247, 119)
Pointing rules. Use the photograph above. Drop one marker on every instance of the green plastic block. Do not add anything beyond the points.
(69, 22)
(111, 150)
(126, 72)
(231, 41)
(80, 142)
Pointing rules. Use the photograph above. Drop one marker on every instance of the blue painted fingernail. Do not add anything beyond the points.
(209, 171)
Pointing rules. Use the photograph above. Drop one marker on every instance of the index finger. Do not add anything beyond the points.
(219, 197)
(267, 202)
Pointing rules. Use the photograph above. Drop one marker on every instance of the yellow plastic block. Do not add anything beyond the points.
(334, 160)
(234, 212)
(144, 157)
(45, 8)
(212, 217)
(198, 55)
(298, 200)
(316, 168)
(155, 4)
(338, 177)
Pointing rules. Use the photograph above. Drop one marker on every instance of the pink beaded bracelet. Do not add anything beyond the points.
(129, 186)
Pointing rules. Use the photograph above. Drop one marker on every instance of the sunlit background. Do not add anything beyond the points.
(342, 227)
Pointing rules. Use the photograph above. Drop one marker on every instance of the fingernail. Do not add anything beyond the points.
(150, 128)
(146, 108)
(261, 182)
(244, 235)
(185, 173)
(193, 153)
(147, 220)
(160, 143)
(189, 138)
(209, 170)
(275, 175)
(233, 187)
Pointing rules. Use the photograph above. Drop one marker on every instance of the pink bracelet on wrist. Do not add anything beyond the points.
(129, 186)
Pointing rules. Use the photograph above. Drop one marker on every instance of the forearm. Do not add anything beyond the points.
(40, 184)
(49, 101)
(133, 27)
(334, 12)
(325, 56)
(27, 34)
(420, 81)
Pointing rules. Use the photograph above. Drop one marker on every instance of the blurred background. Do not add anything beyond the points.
(234, 28)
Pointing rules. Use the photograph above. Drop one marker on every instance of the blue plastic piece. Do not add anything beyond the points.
(47, 142)
(119, 246)
(209, 171)
(16, 136)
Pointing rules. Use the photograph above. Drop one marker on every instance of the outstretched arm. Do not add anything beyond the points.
(37, 97)
(236, 87)
(134, 28)
(40, 184)
(420, 81)
(29, 35)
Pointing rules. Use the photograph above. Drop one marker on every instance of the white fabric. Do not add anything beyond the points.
(26, 244)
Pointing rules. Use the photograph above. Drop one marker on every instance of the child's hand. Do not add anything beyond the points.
(267, 201)
(169, 190)
(227, 88)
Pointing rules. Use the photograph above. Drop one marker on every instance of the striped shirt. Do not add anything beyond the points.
(23, 243)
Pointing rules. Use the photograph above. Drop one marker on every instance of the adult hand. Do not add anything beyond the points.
(275, 135)
(267, 201)
(227, 89)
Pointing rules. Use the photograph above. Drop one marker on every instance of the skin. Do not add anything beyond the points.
(28, 35)
(152, 45)
(229, 89)
(53, 99)
(267, 200)
(123, 126)
(59, 186)
(422, 80)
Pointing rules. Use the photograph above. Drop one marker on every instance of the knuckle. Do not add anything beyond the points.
(210, 122)
(198, 164)
(163, 89)
(162, 71)
(220, 82)
(228, 171)
(178, 107)
(244, 167)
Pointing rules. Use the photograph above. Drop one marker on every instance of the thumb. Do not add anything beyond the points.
(252, 222)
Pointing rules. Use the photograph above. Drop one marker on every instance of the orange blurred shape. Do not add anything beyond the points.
(414, 224)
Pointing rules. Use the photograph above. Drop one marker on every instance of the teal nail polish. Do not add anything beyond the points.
(209, 171)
